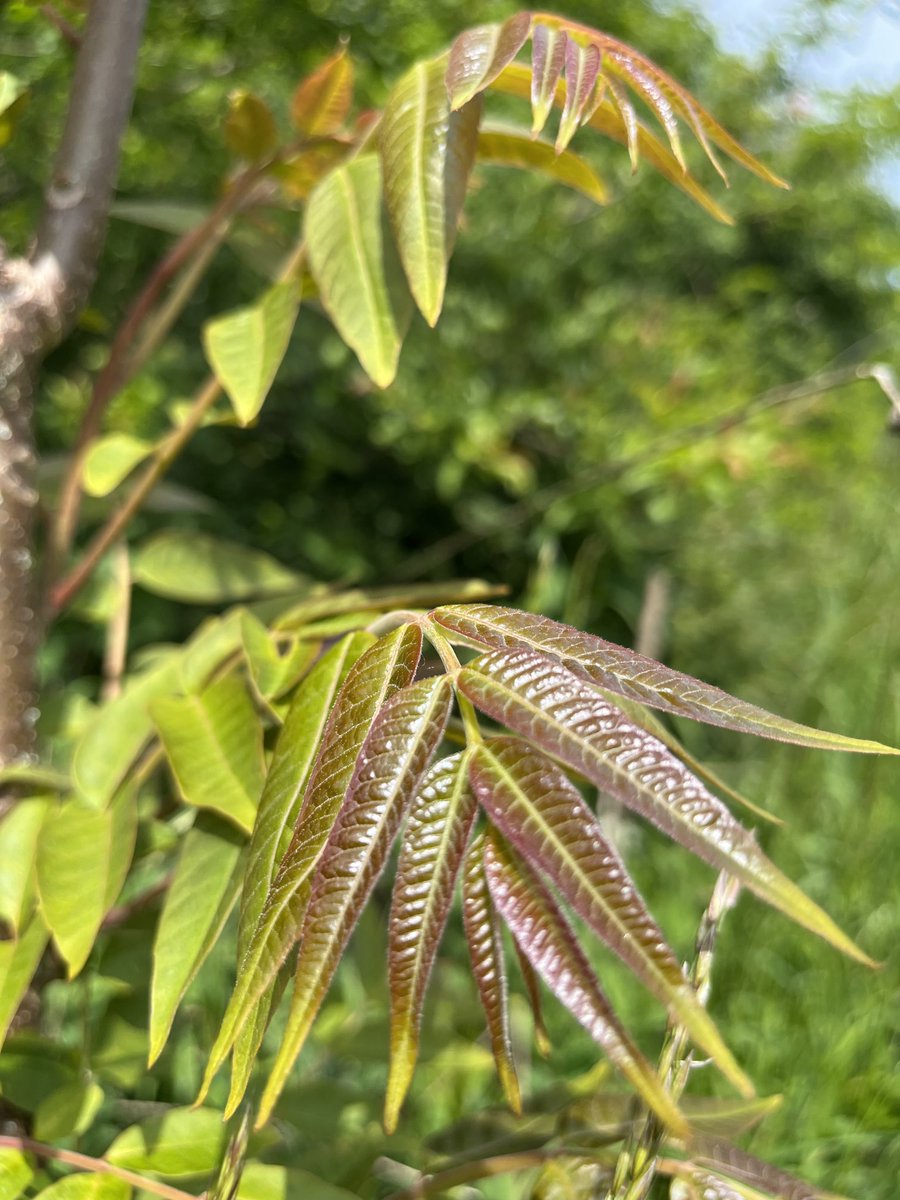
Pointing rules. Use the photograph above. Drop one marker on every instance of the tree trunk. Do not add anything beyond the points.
(40, 298)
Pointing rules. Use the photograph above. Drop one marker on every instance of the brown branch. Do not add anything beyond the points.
(97, 1166)
(68, 32)
(483, 1168)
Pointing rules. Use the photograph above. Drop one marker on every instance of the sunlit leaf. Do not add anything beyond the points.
(110, 460)
(322, 100)
(245, 347)
(353, 264)
(18, 962)
(250, 130)
(83, 856)
(391, 763)
(190, 566)
(87, 1186)
(69, 1110)
(582, 72)
(505, 147)
(435, 840)
(427, 154)
(634, 676)
(542, 814)
(20, 828)
(179, 1144)
(329, 603)
(533, 990)
(200, 896)
(214, 744)
(720, 1171)
(488, 966)
(275, 664)
(548, 60)
(542, 700)
(15, 1173)
(548, 941)
(381, 671)
(479, 55)
(13, 98)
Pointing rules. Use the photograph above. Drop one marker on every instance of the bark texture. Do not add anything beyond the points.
(40, 298)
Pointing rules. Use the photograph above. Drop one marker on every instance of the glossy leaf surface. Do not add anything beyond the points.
(427, 153)
(479, 55)
(214, 745)
(548, 60)
(434, 843)
(246, 347)
(548, 941)
(503, 147)
(634, 676)
(322, 100)
(392, 761)
(545, 702)
(545, 819)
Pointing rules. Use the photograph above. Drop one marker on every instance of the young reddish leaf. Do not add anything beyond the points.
(250, 130)
(393, 759)
(479, 55)
(322, 100)
(582, 70)
(427, 153)
(634, 676)
(542, 700)
(515, 80)
(486, 952)
(630, 122)
(436, 837)
(648, 88)
(532, 987)
(543, 816)
(545, 936)
(352, 265)
(548, 47)
(381, 671)
(722, 1171)
(513, 148)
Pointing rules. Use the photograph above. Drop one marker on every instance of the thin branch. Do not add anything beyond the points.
(124, 912)
(483, 1168)
(68, 32)
(115, 652)
(98, 1166)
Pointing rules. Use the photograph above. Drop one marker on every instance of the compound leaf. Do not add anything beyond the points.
(479, 55)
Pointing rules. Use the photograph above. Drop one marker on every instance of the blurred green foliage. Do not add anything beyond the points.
(574, 342)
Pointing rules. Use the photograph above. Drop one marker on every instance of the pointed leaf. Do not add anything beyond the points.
(18, 962)
(353, 266)
(427, 154)
(393, 759)
(545, 819)
(543, 701)
(203, 890)
(68, 1111)
(83, 856)
(15, 1173)
(437, 834)
(582, 71)
(630, 122)
(179, 1144)
(634, 676)
(245, 347)
(503, 147)
(547, 939)
(250, 130)
(722, 1171)
(19, 832)
(533, 988)
(190, 566)
(322, 100)
(214, 744)
(275, 664)
(385, 599)
(479, 55)
(110, 460)
(86, 1186)
(548, 59)
(380, 672)
(486, 952)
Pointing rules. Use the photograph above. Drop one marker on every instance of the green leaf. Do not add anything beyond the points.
(507, 147)
(83, 857)
(322, 100)
(35, 776)
(549, 943)
(246, 347)
(329, 604)
(15, 1173)
(427, 154)
(479, 55)
(351, 261)
(214, 743)
(19, 831)
(260, 1181)
(542, 700)
(68, 1111)
(485, 944)
(275, 664)
(634, 676)
(201, 894)
(547, 822)
(437, 834)
(382, 670)
(190, 566)
(18, 962)
(110, 460)
(396, 753)
(13, 98)
(181, 1143)
(87, 1186)
(215, 641)
(250, 130)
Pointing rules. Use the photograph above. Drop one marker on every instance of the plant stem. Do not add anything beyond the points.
(97, 1166)
(482, 1168)
(451, 666)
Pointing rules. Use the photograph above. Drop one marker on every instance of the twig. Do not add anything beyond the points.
(482, 1168)
(116, 649)
(654, 610)
(123, 912)
(68, 32)
(98, 1166)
